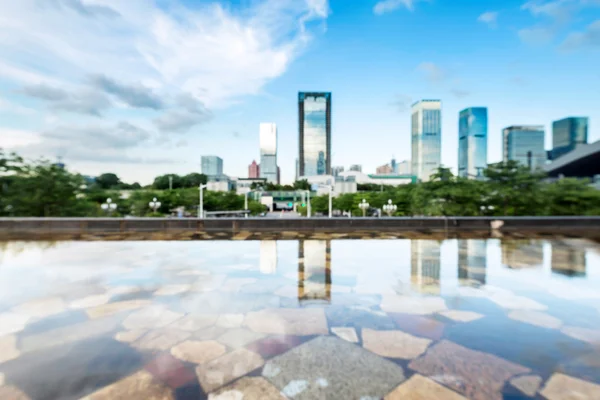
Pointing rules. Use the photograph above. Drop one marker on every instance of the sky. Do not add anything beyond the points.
(145, 87)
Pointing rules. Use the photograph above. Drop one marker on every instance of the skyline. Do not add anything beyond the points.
(144, 88)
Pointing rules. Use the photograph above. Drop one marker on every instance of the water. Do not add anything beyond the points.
(348, 319)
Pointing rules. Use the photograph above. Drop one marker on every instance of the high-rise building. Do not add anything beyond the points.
(524, 144)
(472, 142)
(567, 133)
(336, 171)
(254, 170)
(314, 115)
(472, 261)
(212, 166)
(278, 175)
(314, 271)
(426, 133)
(568, 258)
(518, 254)
(384, 170)
(403, 168)
(425, 266)
(356, 167)
(297, 169)
(268, 152)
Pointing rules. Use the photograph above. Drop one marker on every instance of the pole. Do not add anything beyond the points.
(201, 206)
(308, 203)
(330, 201)
(246, 204)
(170, 182)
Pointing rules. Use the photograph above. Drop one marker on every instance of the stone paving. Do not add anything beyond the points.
(174, 321)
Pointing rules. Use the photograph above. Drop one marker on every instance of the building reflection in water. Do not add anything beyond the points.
(425, 266)
(568, 258)
(522, 253)
(472, 262)
(314, 271)
(268, 256)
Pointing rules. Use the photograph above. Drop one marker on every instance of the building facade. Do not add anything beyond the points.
(472, 262)
(472, 142)
(211, 166)
(268, 152)
(524, 144)
(567, 134)
(253, 170)
(386, 169)
(335, 171)
(425, 263)
(356, 167)
(426, 138)
(314, 116)
(403, 168)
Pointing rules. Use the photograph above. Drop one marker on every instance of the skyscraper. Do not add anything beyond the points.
(567, 133)
(314, 116)
(212, 166)
(426, 138)
(384, 170)
(524, 144)
(336, 171)
(472, 142)
(356, 167)
(314, 271)
(253, 170)
(268, 152)
(472, 261)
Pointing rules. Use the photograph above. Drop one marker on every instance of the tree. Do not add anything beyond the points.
(108, 181)
(301, 185)
(194, 180)
(571, 196)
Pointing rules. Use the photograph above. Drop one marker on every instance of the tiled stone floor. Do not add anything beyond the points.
(328, 319)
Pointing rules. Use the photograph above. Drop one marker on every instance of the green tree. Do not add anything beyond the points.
(194, 180)
(108, 181)
(571, 196)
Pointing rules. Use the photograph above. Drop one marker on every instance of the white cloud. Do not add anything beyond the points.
(590, 37)
(433, 72)
(537, 35)
(490, 18)
(385, 6)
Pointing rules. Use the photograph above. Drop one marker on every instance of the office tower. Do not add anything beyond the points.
(212, 166)
(472, 261)
(426, 132)
(314, 270)
(567, 133)
(336, 171)
(522, 253)
(253, 170)
(278, 175)
(394, 166)
(403, 168)
(568, 258)
(314, 116)
(297, 169)
(524, 144)
(356, 167)
(384, 170)
(268, 256)
(268, 152)
(472, 142)
(425, 266)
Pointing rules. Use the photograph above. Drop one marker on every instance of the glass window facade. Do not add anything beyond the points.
(268, 152)
(525, 144)
(315, 133)
(212, 165)
(426, 133)
(472, 142)
(567, 133)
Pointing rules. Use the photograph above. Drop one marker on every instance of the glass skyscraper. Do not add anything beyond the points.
(524, 144)
(268, 152)
(212, 166)
(472, 142)
(567, 133)
(426, 138)
(314, 115)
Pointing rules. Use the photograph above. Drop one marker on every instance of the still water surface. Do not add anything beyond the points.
(312, 319)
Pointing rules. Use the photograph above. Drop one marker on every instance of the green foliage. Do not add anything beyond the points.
(192, 180)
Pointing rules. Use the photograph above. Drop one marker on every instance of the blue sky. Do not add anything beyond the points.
(144, 87)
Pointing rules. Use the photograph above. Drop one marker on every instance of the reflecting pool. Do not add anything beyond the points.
(308, 319)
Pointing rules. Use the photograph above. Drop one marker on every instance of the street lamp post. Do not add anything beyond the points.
(308, 203)
(330, 201)
(246, 204)
(201, 206)
(390, 208)
(154, 204)
(364, 206)
(109, 206)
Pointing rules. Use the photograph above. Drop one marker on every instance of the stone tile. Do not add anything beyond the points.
(234, 284)
(358, 317)
(419, 387)
(12, 323)
(514, 302)
(477, 375)
(419, 326)
(412, 305)
(137, 386)
(536, 318)
(591, 336)
(225, 369)
(274, 345)
(155, 316)
(130, 336)
(198, 352)
(161, 339)
(319, 369)
(113, 308)
(210, 333)
(288, 321)
(40, 308)
(564, 387)
(527, 384)
(230, 320)
(69, 317)
(348, 334)
(12, 393)
(248, 389)
(394, 344)
(461, 316)
(90, 301)
(239, 337)
(192, 323)
(171, 290)
(171, 371)
(8, 348)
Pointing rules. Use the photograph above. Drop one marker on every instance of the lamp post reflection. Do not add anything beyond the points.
(314, 271)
